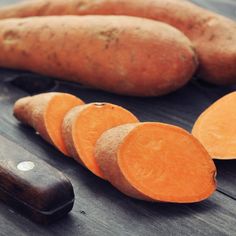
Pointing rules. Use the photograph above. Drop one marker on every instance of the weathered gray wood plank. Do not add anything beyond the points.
(108, 212)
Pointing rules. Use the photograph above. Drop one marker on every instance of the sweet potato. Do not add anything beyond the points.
(84, 124)
(215, 128)
(214, 36)
(156, 162)
(45, 113)
(120, 54)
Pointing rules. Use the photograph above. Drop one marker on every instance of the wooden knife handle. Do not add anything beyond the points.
(33, 187)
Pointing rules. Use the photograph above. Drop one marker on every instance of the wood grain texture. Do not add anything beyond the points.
(99, 208)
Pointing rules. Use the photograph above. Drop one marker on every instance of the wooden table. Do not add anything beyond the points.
(99, 208)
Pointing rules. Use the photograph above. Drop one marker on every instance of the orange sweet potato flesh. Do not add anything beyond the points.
(156, 162)
(45, 113)
(214, 36)
(84, 124)
(120, 54)
(215, 128)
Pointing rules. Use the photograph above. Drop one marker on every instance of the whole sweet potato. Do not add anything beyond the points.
(120, 54)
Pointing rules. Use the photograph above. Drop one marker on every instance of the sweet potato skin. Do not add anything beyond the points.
(213, 35)
(120, 54)
(30, 111)
(67, 134)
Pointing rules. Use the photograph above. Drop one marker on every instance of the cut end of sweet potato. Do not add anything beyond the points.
(22, 110)
(83, 126)
(59, 105)
(216, 130)
(157, 162)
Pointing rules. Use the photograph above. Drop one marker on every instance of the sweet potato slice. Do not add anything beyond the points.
(156, 162)
(84, 124)
(45, 113)
(215, 128)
